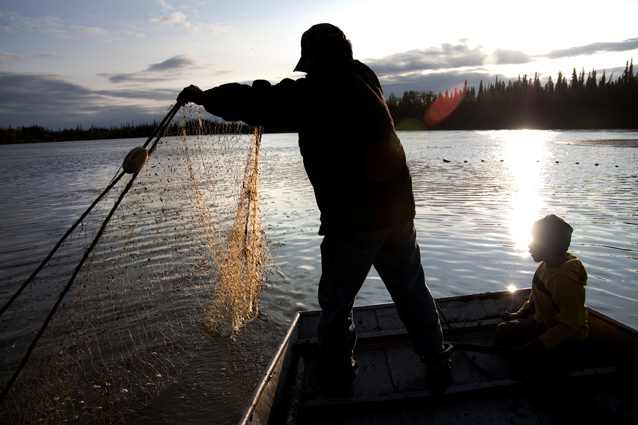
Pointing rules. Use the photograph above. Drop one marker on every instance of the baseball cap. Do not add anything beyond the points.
(318, 36)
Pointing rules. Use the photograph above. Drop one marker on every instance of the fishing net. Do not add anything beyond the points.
(183, 253)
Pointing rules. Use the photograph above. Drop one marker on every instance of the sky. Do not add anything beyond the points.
(69, 63)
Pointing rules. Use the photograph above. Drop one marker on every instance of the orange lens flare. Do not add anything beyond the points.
(443, 106)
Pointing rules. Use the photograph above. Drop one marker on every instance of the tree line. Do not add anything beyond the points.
(579, 102)
(38, 134)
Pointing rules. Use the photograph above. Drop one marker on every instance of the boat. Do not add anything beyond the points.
(488, 384)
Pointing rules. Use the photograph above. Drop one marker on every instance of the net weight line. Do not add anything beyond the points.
(157, 135)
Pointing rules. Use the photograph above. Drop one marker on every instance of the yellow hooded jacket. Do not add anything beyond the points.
(558, 301)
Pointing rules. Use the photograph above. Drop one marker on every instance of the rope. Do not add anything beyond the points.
(159, 130)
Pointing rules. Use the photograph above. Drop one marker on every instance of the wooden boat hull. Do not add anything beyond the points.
(487, 385)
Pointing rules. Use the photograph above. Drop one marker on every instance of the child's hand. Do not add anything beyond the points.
(510, 316)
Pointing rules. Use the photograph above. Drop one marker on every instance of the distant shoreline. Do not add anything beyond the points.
(38, 134)
(98, 139)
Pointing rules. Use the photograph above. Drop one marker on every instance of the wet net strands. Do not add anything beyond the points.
(183, 255)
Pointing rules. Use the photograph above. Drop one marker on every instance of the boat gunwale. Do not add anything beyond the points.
(286, 346)
(293, 345)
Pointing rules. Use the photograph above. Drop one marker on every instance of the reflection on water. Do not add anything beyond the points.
(520, 148)
(477, 194)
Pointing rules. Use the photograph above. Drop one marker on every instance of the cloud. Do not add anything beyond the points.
(50, 55)
(179, 20)
(443, 67)
(176, 62)
(162, 71)
(103, 35)
(20, 92)
(133, 34)
(175, 19)
(511, 57)
(212, 29)
(590, 49)
(439, 82)
(6, 57)
(62, 103)
(92, 32)
(448, 56)
(54, 26)
(50, 25)
(134, 77)
(164, 4)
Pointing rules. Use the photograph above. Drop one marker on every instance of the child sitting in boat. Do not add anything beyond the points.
(553, 322)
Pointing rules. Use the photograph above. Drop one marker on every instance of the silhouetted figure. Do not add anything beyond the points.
(552, 324)
(363, 188)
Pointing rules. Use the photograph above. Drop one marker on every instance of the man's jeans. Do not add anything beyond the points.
(345, 263)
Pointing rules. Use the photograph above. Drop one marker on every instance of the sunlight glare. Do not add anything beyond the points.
(511, 288)
(523, 150)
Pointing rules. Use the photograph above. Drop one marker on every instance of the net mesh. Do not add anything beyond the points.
(183, 254)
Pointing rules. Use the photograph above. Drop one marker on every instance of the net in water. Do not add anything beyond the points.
(184, 253)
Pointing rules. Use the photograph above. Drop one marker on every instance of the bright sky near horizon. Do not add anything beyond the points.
(82, 62)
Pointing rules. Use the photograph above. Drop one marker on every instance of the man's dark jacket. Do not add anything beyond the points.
(351, 153)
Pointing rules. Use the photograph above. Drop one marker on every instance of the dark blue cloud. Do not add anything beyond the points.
(162, 71)
(176, 62)
(590, 49)
(55, 102)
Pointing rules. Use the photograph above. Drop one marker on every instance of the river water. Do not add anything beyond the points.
(477, 193)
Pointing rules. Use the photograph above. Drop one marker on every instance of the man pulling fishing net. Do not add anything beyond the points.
(357, 167)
